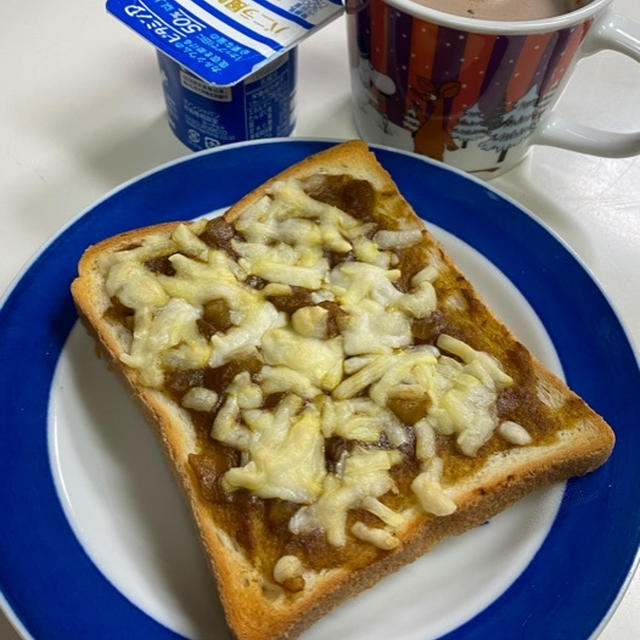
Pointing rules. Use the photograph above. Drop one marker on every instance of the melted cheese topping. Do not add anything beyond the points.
(319, 361)
(365, 474)
(338, 387)
(286, 454)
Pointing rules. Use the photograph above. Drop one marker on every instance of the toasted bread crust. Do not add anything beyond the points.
(251, 614)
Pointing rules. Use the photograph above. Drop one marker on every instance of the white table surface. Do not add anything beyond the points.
(82, 111)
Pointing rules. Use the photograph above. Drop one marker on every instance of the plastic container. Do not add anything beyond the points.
(205, 115)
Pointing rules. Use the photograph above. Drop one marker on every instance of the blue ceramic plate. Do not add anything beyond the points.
(48, 573)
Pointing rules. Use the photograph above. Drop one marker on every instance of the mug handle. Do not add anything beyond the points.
(618, 33)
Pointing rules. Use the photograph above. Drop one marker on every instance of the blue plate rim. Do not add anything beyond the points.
(15, 283)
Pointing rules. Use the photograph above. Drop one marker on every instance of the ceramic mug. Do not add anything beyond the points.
(477, 94)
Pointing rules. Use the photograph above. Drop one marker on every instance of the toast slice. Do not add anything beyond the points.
(332, 392)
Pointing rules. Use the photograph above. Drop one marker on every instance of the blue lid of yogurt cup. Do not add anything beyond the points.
(224, 41)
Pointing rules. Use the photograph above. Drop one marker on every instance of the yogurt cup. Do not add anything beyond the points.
(204, 115)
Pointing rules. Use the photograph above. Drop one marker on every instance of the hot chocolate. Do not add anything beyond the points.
(505, 9)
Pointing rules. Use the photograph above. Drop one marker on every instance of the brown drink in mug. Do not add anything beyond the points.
(504, 9)
(476, 93)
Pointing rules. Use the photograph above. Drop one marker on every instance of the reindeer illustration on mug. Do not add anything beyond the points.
(431, 136)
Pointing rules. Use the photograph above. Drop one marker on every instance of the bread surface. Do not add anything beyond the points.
(254, 611)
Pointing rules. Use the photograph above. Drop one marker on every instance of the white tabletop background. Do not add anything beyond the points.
(82, 111)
